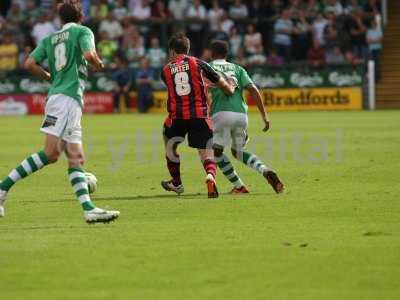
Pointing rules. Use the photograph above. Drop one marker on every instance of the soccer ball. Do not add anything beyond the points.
(91, 181)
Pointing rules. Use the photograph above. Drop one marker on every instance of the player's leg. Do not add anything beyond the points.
(209, 165)
(239, 140)
(173, 135)
(200, 136)
(72, 135)
(222, 123)
(52, 126)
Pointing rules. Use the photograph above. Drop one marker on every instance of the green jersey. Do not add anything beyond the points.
(235, 102)
(64, 51)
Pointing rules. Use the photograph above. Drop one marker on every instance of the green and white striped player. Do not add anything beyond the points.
(230, 121)
(68, 52)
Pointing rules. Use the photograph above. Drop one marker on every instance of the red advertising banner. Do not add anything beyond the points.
(23, 104)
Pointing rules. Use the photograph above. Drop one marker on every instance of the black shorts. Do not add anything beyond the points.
(199, 132)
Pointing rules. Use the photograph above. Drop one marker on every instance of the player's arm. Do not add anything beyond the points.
(35, 58)
(216, 79)
(256, 96)
(94, 60)
(37, 70)
(87, 45)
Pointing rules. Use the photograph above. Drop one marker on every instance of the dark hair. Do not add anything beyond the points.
(219, 49)
(179, 43)
(70, 11)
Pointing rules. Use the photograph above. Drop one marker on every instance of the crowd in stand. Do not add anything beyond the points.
(271, 32)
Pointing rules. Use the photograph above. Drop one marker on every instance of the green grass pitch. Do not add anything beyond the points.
(334, 234)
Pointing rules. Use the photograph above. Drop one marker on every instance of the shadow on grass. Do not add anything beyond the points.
(128, 198)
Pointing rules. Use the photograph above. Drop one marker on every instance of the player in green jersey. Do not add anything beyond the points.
(68, 52)
(230, 121)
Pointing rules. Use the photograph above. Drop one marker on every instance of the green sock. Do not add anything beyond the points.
(29, 166)
(252, 161)
(227, 169)
(80, 186)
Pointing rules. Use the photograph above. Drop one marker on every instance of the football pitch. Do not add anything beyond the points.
(334, 233)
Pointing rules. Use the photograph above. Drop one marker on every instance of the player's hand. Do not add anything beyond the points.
(267, 124)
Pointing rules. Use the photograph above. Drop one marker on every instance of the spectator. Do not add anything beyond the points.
(142, 10)
(319, 27)
(106, 47)
(8, 53)
(334, 56)
(312, 8)
(238, 10)
(43, 28)
(333, 6)
(15, 14)
(178, 8)
(122, 77)
(130, 31)
(196, 13)
(23, 56)
(156, 55)
(159, 11)
(316, 54)
(144, 84)
(274, 59)
(21, 3)
(46, 5)
(253, 40)
(331, 37)
(99, 10)
(214, 15)
(276, 8)
(32, 12)
(225, 23)
(120, 11)
(295, 7)
(135, 50)
(253, 45)
(302, 36)
(374, 40)
(283, 29)
(112, 26)
(371, 8)
(352, 7)
(235, 42)
(352, 58)
(357, 33)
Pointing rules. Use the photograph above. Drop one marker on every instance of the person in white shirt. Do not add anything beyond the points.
(238, 10)
(112, 26)
(142, 10)
(155, 54)
(334, 6)
(177, 8)
(318, 28)
(43, 28)
(214, 15)
(225, 23)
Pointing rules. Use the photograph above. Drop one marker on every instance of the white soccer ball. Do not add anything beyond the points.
(91, 181)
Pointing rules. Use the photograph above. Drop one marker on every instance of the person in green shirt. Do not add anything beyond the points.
(230, 121)
(68, 52)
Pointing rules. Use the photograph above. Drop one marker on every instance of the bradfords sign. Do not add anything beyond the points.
(339, 76)
(347, 98)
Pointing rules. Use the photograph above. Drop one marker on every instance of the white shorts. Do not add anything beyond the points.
(230, 128)
(63, 118)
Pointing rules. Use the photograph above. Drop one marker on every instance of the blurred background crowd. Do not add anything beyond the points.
(132, 34)
(260, 31)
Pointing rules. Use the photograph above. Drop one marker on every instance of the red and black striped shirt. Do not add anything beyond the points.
(187, 92)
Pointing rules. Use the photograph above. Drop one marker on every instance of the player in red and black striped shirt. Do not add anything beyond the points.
(188, 111)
